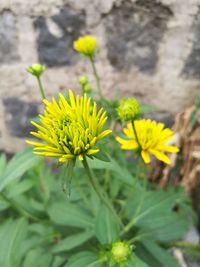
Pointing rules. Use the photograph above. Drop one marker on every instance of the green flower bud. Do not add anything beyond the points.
(83, 80)
(128, 109)
(36, 69)
(87, 88)
(120, 251)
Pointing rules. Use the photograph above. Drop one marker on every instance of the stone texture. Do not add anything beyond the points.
(8, 38)
(192, 236)
(146, 48)
(135, 40)
(56, 49)
(18, 116)
(192, 65)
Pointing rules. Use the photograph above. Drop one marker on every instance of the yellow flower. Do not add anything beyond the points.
(69, 128)
(152, 137)
(86, 45)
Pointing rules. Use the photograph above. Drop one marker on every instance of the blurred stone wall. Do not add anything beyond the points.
(147, 48)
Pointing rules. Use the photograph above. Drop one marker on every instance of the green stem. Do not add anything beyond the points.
(41, 87)
(186, 245)
(138, 238)
(96, 76)
(104, 198)
(135, 132)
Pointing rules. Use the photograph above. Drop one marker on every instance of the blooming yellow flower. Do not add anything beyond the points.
(69, 128)
(153, 139)
(86, 45)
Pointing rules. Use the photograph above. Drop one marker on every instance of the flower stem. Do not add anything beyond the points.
(135, 132)
(103, 197)
(41, 87)
(96, 76)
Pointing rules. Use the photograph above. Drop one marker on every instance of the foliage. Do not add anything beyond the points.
(42, 226)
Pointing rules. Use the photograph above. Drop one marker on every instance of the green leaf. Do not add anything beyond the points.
(17, 166)
(84, 258)
(120, 173)
(72, 241)
(2, 163)
(67, 175)
(102, 156)
(135, 262)
(58, 261)
(106, 227)
(154, 213)
(162, 256)
(37, 258)
(20, 188)
(147, 108)
(12, 235)
(66, 213)
(4, 205)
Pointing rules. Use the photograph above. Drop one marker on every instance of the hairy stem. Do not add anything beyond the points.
(96, 76)
(135, 132)
(103, 197)
(41, 88)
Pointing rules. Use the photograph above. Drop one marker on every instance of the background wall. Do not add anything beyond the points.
(147, 48)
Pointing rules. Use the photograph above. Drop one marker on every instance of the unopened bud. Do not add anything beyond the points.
(83, 80)
(87, 88)
(120, 251)
(36, 69)
(128, 109)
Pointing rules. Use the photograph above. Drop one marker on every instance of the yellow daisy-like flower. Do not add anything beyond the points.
(153, 140)
(86, 45)
(69, 128)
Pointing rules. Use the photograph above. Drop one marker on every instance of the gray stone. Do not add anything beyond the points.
(134, 31)
(193, 235)
(57, 50)
(8, 38)
(192, 65)
(18, 116)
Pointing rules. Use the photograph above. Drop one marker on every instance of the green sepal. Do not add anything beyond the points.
(102, 156)
(67, 175)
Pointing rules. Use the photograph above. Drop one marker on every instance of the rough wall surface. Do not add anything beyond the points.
(147, 48)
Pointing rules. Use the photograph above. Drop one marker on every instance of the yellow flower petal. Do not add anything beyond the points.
(146, 156)
(127, 144)
(153, 139)
(172, 149)
(92, 151)
(161, 156)
(69, 128)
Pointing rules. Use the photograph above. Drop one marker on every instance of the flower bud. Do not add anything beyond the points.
(36, 69)
(83, 80)
(120, 251)
(87, 88)
(128, 109)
